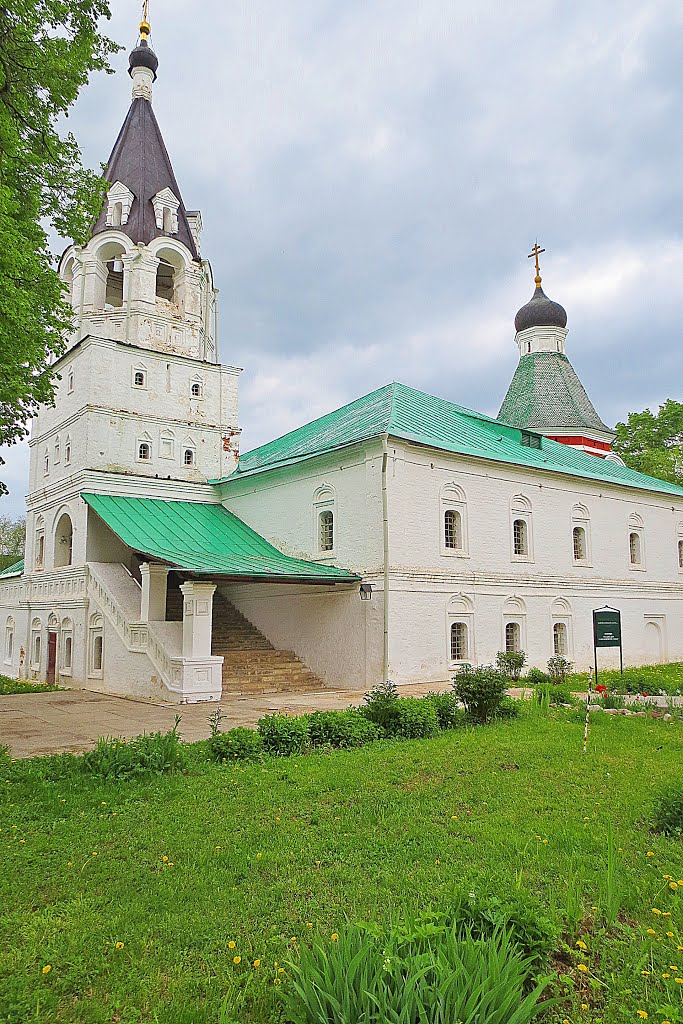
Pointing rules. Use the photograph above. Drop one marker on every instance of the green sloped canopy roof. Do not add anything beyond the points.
(13, 570)
(403, 412)
(204, 538)
(545, 392)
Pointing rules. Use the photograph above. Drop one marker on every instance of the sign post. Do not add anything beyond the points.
(607, 633)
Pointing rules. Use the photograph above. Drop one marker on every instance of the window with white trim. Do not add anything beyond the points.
(96, 645)
(636, 548)
(140, 377)
(64, 541)
(70, 381)
(189, 457)
(520, 510)
(9, 639)
(453, 525)
(167, 445)
(560, 640)
(67, 450)
(520, 537)
(579, 543)
(67, 647)
(196, 387)
(144, 448)
(46, 463)
(36, 644)
(324, 521)
(580, 535)
(513, 636)
(39, 558)
(326, 530)
(58, 450)
(459, 642)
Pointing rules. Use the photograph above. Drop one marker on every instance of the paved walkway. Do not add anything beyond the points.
(72, 720)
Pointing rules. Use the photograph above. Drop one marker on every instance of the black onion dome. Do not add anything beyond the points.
(540, 311)
(143, 57)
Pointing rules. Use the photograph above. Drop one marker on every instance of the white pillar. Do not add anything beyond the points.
(197, 616)
(153, 599)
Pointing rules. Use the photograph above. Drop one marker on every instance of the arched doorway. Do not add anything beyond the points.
(64, 541)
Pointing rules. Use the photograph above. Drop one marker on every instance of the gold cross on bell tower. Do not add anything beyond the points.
(534, 254)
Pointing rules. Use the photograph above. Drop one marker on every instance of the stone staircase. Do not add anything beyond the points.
(250, 662)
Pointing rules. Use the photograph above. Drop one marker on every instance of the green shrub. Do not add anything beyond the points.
(536, 677)
(236, 745)
(441, 978)
(448, 713)
(341, 729)
(380, 706)
(8, 685)
(668, 810)
(511, 663)
(284, 735)
(507, 709)
(481, 690)
(613, 700)
(549, 694)
(559, 668)
(528, 925)
(115, 759)
(416, 719)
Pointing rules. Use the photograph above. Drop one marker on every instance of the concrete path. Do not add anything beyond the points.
(72, 720)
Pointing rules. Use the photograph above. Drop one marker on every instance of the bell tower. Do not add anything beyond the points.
(142, 406)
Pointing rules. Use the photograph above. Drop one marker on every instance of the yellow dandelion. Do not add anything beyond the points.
(94, 853)
(454, 817)
(165, 859)
(103, 804)
(280, 970)
(581, 944)
(669, 935)
(293, 938)
(642, 1014)
(651, 931)
(655, 911)
(257, 963)
(584, 1006)
(276, 981)
(119, 945)
(309, 924)
(679, 981)
(648, 854)
(673, 885)
(69, 863)
(258, 856)
(679, 948)
(334, 936)
(275, 963)
(232, 944)
(666, 975)
(666, 913)
(645, 974)
(582, 968)
(680, 881)
(666, 1022)
(237, 959)
(47, 968)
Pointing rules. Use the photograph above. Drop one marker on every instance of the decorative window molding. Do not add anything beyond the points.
(9, 640)
(58, 451)
(453, 521)
(119, 203)
(561, 626)
(167, 444)
(325, 522)
(636, 542)
(66, 656)
(197, 387)
(144, 448)
(36, 652)
(46, 463)
(67, 450)
(166, 205)
(521, 534)
(70, 381)
(560, 639)
(189, 453)
(459, 630)
(39, 557)
(581, 540)
(460, 648)
(139, 377)
(514, 624)
(513, 636)
(63, 541)
(96, 646)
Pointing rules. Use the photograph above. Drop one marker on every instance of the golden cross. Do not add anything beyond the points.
(144, 24)
(535, 253)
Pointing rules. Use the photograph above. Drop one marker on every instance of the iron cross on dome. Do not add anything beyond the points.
(534, 254)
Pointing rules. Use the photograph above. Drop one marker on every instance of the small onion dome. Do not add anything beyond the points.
(143, 57)
(540, 311)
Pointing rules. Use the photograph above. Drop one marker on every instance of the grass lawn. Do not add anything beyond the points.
(176, 868)
(651, 679)
(8, 685)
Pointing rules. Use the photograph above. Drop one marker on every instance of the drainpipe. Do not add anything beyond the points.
(385, 547)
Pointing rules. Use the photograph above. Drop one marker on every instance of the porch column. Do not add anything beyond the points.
(197, 616)
(153, 599)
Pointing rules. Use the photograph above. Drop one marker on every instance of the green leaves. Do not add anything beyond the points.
(48, 49)
(652, 443)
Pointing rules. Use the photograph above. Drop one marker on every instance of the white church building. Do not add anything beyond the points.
(398, 537)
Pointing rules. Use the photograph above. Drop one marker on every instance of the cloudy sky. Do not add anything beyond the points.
(372, 175)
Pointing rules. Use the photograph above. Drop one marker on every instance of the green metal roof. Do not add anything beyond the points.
(204, 538)
(13, 570)
(403, 412)
(545, 392)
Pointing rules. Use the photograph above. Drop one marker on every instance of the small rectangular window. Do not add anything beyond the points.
(459, 646)
(326, 522)
(530, 440)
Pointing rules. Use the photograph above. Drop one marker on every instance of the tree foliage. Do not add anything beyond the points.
(12, 538)
(652, 443)
(48, 49)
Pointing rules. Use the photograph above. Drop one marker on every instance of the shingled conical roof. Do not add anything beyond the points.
(545, 393)
(141, 162)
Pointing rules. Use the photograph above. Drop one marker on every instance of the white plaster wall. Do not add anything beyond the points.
(331, 630)
(280, 505)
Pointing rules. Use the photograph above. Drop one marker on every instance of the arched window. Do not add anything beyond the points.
(9, 640)
(67, 450)
(113, 294)
(67, 647)
(196, 388)
(513, 636)
(459, 644)
(58, 452)
(36, 644)
(144, 448)
(39, 560)
(70, 381)
(46, 463)
(520, 537)
(64, 541)
(579, 543)
(140, 376)
(189, 456)
(634, 548)
(560, 644)
(165, 284)
(452, 524)
(326, 530)
(96, 645)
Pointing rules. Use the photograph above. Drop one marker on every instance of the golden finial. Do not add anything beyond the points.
(535, 253)
(145, 27)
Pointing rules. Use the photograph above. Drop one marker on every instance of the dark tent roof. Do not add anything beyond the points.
(141, 162)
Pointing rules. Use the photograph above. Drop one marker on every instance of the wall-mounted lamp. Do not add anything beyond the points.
(365, 591)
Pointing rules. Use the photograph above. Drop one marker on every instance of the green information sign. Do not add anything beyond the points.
(607, 628)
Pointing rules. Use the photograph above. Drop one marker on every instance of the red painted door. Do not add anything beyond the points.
(51, 657)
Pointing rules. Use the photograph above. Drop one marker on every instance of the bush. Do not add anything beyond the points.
(528, 926)
(416, 719)
(481, 690)
(341, 729)
(546, 695)
(668, 810)
(115, 759)
(559, 668)
(283, 735)
(448, 713)
(536, 677)
(236, 745)
(380, 706)
(507, 709)
(511, 663)
(439, 976)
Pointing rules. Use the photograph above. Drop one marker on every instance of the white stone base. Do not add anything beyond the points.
(196, 679)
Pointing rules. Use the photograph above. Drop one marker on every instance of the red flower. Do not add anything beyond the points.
(601, 689)
(645, 695)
